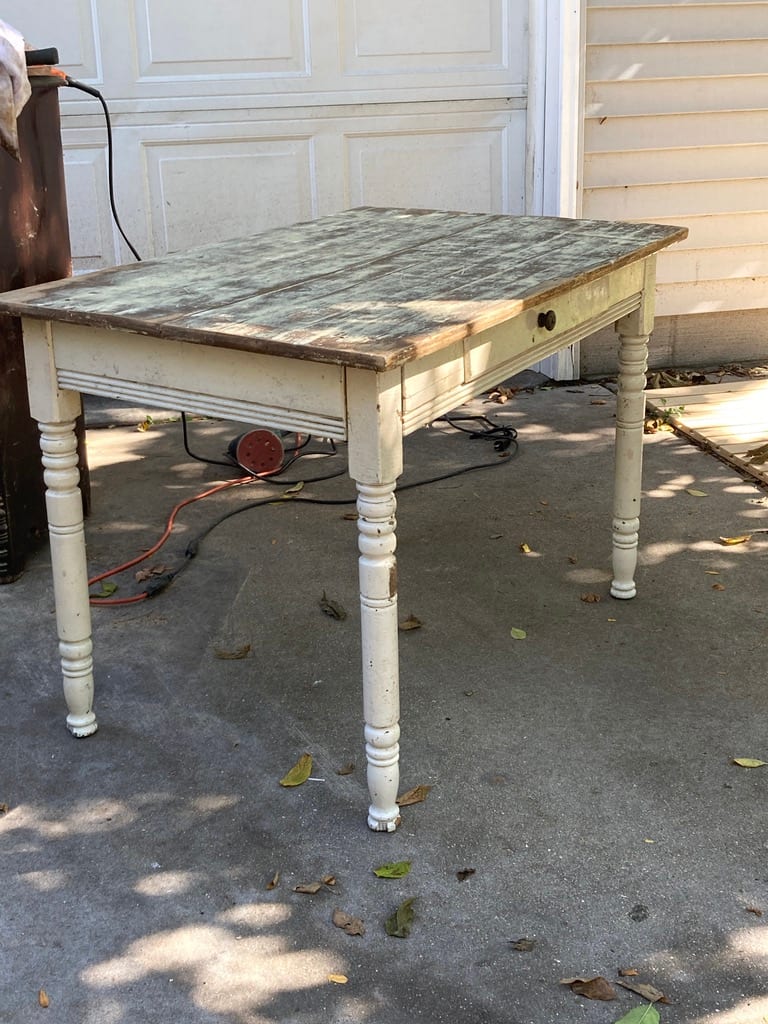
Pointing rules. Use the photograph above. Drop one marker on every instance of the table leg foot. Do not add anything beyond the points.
(77, 669)
(625, 540)
(383, 752)
(82, 725)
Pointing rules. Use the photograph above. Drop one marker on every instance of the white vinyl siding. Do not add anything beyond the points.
(676, 131)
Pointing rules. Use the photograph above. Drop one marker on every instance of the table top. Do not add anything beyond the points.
(369, 287)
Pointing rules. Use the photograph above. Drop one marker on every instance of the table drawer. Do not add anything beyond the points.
(446, 378)
(546, 328)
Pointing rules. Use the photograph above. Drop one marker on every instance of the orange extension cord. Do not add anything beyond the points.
(156, 547)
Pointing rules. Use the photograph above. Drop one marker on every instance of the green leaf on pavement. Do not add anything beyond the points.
(399, 924)
(641, 1015)
(397, 869)
(299, 773)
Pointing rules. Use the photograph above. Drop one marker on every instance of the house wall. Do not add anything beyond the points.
(676, 131)
(240, 116)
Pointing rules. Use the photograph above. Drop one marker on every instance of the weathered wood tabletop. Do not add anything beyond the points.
(372, 288)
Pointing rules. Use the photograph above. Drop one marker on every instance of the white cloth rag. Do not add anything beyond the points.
(15, 89)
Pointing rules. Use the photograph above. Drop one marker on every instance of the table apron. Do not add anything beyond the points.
(302, 395)
(288, 394)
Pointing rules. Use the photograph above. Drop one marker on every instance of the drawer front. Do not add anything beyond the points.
(546, 328)
(444, 379)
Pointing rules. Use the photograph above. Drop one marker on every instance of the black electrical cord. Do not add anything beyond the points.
(501, 436)
(229, 463)
(110, 171)
(157, 585)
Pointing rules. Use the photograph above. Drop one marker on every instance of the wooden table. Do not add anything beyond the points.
(360, 327)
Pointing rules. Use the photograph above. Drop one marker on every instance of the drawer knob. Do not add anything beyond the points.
(548, 319)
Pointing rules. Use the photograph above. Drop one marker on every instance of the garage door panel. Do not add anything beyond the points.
(206, 191)
(456, 167)
(69, 25)
(262, 37)
(90, 224)
(384, 38)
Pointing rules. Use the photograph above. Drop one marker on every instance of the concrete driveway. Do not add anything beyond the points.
(583, 792)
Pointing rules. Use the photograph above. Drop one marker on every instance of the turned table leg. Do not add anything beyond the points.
(56, 410)
(375, 461)
(70, 575)
(634, 331)
(378, 626)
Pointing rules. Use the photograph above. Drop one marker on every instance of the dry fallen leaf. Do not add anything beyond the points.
(718, 586)
(742, 539)
(4, 808)
(235, 655)
(501, 394)
(591, 988)
(522, 945)
(464, 874)
(347, 923)
(410, 623)
(525, 548)
(754, 910)
(156, 570)
(591, 598)
(346, 769)
(309, 888)
(274, 881)
(329, 879)
(42, 998)
(338, 979)
(649, 992)
(758, 455)
(598, 401)
(628, 972)
(332, 608)
(417, 795)
(299, 773)
(748, 762)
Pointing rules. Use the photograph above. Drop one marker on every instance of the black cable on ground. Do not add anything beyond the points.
(193, 546)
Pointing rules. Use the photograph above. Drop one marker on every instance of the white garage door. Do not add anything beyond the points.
(240, 115)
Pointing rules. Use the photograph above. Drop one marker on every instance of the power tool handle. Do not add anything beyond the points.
(48, 55)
